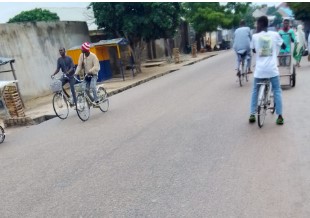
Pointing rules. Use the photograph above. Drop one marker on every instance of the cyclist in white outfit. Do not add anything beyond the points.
(242, 39)
(266, 45)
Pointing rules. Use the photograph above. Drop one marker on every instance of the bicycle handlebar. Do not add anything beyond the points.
(66, 76)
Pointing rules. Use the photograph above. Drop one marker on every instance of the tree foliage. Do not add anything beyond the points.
(301, 10)
(238, 11)
(138, 20)
(248, 17)
(206, 16)
(278, 17)
(271, 10)
(209, 16)
(37, 14)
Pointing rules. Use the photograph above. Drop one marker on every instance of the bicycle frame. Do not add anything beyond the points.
(86, 92)
(60, 103)
(63, 91)
(264, 91)
(264, 101)
(243, 64)
(84, 100)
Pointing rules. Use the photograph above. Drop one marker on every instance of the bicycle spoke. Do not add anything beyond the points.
(2, 134)
(82, 109)
(60, 106)
(103, 99)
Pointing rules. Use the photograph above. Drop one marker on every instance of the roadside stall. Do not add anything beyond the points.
(101, 49)
(11, 104)
(118, 43)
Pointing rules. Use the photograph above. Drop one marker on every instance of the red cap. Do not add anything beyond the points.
(85, 46)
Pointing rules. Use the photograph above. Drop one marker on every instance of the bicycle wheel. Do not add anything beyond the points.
(246, 74)
(60, 106)
(82, 107)
(293, 78)
(2, 134)
(262, 107)
(241, 76)
(272, 105)
(103, 99)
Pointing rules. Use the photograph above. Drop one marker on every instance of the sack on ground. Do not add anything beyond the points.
(308, 57)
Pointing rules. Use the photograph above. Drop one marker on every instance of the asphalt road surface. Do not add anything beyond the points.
(177, 146)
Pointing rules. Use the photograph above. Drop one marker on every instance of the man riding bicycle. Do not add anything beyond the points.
(66, 65)
(266, 45)
(88, 65)
(242, 39)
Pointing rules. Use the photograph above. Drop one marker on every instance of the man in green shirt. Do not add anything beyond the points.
(288, 36)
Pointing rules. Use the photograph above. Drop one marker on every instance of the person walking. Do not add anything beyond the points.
(66, 65)
(265, 45)
(288, 36)
(300, 45)
(88, 68)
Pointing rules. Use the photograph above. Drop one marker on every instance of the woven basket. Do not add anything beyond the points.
(56, 85)
(80, 87)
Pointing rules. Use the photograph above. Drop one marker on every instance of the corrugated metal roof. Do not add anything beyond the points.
(4, 61)
(109, 42)
(117, 41)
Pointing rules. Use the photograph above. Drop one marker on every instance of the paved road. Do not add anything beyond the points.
(177, 146)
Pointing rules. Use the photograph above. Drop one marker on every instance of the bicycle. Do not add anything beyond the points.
(60, 100)
(84, 100)
(2, 134)
(265, 101)
(243, 73)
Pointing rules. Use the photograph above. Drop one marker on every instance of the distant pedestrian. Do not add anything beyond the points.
(300, 45)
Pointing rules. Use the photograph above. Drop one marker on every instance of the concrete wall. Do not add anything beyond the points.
(34, 46)
(160, 48)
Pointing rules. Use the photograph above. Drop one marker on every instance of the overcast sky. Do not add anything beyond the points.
(11, 9)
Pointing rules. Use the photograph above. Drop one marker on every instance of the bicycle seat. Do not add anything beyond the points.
(264, 81)
(242, 52)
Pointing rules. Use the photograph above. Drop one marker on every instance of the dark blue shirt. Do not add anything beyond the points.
(65, 64)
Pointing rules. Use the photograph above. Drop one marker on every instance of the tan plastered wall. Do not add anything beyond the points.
(34, 46)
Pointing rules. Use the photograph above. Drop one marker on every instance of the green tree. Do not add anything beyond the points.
(138, 21)
(278, 17)
(240, 11)
(301, 10)
(248, 17)
(278, 20)
(205, 17)
(271, 10)
(37, 14)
